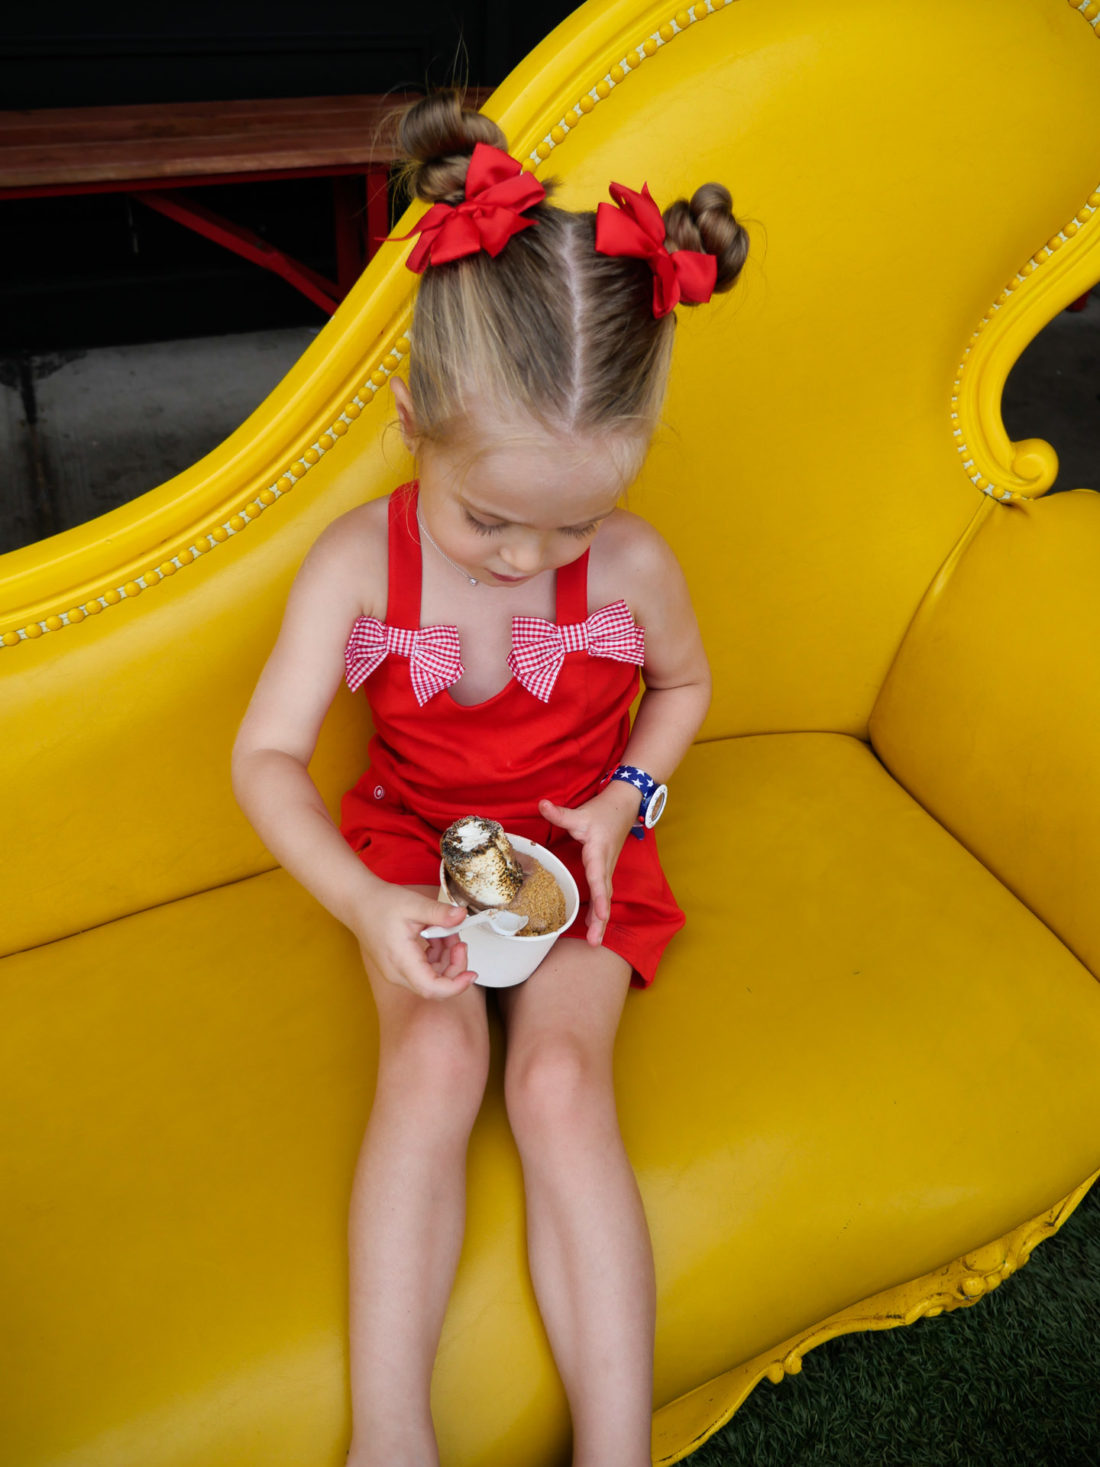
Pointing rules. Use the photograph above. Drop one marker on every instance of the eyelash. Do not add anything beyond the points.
(580, 532)
(480, 526)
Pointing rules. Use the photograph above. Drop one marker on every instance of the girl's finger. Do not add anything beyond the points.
(595, 869)
(437, 987)
(449, 961)
(456, 964)
(417, 973)
(603, 903)
(451, 987)
(556, 814)
(440, 914)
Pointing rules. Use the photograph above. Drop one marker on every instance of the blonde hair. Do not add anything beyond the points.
(548, 330)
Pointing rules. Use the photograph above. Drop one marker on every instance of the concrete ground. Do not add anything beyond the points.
(84, 431)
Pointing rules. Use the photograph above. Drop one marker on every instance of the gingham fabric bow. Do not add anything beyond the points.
(539, 647)
(498, 192)
(637, 228)
(433, 652)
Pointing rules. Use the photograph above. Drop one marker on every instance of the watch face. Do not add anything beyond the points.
(656, 806)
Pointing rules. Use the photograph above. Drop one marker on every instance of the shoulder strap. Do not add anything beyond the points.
(571, 602)
(403, 595)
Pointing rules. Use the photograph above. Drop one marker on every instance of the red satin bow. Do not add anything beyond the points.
(637, 229)
(539, 647)
(433, 652)
(497, 193)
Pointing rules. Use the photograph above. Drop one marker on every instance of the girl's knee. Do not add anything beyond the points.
(438, 1061)
(557, 1087)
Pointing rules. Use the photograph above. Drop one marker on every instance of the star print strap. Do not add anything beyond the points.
(654, 796)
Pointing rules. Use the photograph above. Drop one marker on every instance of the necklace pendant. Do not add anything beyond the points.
(427, 533)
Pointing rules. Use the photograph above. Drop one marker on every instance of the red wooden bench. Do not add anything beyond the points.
(156, 152)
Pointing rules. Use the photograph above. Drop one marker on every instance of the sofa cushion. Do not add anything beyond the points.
(861, 1058)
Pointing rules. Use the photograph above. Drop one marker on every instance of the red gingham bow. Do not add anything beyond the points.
(636, 228)
(433, 652)
(539, 647)
(497, 193)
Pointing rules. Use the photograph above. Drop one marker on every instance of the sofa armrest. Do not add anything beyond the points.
(990, 714)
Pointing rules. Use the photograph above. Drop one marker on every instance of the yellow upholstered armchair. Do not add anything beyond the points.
(865, 1084)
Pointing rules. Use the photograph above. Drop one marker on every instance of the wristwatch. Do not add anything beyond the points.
(654, 796)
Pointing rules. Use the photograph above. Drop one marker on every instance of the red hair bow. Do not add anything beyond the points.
(636, 228)
(497, 193)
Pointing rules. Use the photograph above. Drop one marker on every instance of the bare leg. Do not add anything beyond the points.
(590, 1254)
(407, 1215)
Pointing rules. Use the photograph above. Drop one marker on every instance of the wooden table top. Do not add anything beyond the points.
(82, 145)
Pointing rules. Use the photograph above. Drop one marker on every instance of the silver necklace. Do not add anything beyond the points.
(424, 531)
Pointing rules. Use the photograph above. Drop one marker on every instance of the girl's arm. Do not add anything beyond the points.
(672, 709)
(272, 784)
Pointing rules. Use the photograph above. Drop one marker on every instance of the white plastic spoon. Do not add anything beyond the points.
(506, 923)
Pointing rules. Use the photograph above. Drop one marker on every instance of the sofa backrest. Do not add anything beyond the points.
(900, 174)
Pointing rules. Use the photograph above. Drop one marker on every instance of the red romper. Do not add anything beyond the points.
(433, 762)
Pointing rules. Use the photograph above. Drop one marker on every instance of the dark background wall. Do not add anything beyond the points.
(100, 269)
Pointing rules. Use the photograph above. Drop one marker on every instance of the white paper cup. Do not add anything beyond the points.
(501, 961)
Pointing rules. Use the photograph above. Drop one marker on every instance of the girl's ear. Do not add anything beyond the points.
(403, 399)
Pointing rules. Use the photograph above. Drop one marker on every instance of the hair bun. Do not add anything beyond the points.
(707, 223)
(438, 134)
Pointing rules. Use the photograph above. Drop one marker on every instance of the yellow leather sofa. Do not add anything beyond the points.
(865, 1084)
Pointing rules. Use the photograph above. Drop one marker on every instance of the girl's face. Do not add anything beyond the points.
(517, 504)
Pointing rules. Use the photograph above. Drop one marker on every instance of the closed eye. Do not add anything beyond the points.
(480, 526)
(580, 531)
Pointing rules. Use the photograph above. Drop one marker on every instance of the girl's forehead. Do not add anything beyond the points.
(533, 476)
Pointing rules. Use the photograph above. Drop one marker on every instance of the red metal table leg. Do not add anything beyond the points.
(359, 227)
(348, 209)
(378, 206)
(241, 241)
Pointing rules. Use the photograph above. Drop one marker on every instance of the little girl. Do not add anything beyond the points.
(496, 613)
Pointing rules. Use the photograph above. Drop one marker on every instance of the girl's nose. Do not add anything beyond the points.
(524, 557)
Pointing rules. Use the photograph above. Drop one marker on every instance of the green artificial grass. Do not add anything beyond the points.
(1011, 1381)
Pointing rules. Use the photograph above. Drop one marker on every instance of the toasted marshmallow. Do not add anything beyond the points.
(480, 863)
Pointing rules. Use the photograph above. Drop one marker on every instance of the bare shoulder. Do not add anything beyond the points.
(350, 557)
(631, 559)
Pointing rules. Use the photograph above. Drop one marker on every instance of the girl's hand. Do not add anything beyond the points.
(601, 825)
(389, 934)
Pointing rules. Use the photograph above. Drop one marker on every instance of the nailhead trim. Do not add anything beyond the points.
(1090, 9)
(218, 533)
(297, 469)
(648, 46)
